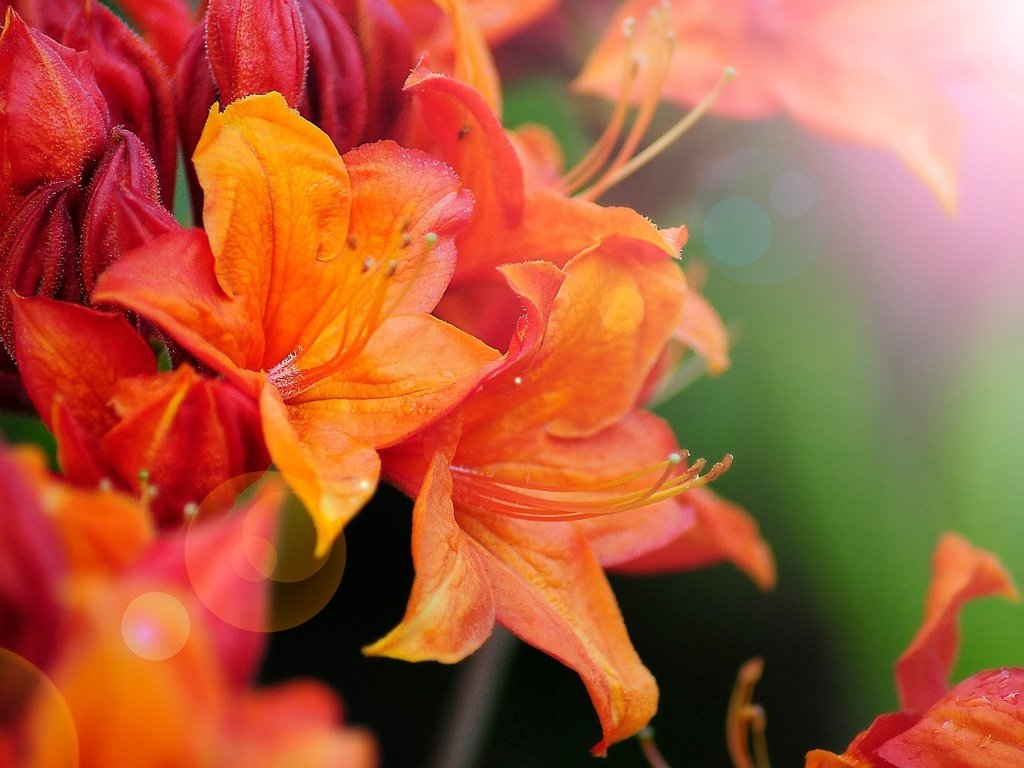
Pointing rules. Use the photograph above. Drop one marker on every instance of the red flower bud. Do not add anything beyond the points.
(122, 209)
(335, 96)
(256, 46)
(38, 248)
(134, 81)
(53, 118)
(48, 16)
(387, 58)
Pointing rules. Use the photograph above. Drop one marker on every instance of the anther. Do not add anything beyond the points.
(391, 268)
(430, 239)
(368, 264)
(404, 224)
(351, 242)
(405, 242)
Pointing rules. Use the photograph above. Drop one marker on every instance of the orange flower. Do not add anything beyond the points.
(548, 472)
(868, 72)
(139, 653)
(977, 724)
(310, 288)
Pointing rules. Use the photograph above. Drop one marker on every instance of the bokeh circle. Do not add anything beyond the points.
(36, 726)
(760, 216)
(250, 554)
(155, 626)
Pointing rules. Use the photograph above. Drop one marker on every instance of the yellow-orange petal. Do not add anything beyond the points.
(413, 370)
(550, 590)
(612, 316)
(451, 608)
(331, 473)
(960, 573)
(276, 204)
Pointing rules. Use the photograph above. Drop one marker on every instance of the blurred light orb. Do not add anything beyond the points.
(737, 231)
(155, 626)
(34, 716)
(274, 579)
(759, 215)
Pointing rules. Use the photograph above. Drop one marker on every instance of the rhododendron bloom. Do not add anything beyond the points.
(868, 72)
(546, 473)
(138, 652)
(310, 288)
(977, 724)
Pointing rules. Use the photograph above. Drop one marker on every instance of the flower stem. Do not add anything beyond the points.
(472, 703)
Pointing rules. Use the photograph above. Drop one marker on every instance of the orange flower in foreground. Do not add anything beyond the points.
(867, 72)
(311, 288)
(546, 473)
(139, 655)
(977, 724)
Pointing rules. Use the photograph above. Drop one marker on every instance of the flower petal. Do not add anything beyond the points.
(978, 724)
(961, 572)
(333, 474)
(722, 532)
(451, 608)
(413, 370)
(549, 590)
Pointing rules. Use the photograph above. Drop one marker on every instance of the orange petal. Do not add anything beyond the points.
(864, 72)
(452, 121)
(612, 317)
(78, 354)
(702, 330)
(723, 532)
(978, 724)
(186, 434)
(171, 282)
(451, 608)
(549, 590)
(101, 532)
(294, 724)
(413, 370)
(960, 572)
(277, 200)
(333, 474)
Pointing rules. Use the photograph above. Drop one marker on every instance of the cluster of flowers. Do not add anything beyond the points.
(387, 283)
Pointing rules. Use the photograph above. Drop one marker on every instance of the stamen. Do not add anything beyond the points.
(528, 500)
(745, 719)
(662, 143)
(598, 154)
(657, 58)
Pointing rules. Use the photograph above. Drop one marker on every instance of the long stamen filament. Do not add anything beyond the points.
(527, 501)
(597, 156)
(663, 142)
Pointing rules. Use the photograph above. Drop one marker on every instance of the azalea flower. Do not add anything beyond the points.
(976, 724)
(132, 650)
(866, 72)
(310, 289)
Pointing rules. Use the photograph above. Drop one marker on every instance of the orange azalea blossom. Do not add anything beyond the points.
(520, 216)
(138, 653)
(547, 473)
(866, 71)
(977, 724)
(311, 288)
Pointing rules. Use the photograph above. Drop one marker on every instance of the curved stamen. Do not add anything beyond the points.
(541, 501)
